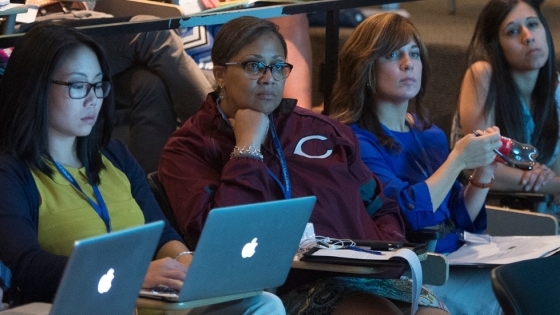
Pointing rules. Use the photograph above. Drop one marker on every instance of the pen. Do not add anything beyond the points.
(359, 249)
(505, 158)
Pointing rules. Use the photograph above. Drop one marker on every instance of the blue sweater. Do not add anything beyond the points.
(403, 177)
(36, 272)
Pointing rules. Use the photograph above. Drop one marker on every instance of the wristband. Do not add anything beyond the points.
(246, 151)
(183, 253)
(479, 184)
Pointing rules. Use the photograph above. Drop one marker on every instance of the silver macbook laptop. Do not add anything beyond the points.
(103, 274)
(242, 249)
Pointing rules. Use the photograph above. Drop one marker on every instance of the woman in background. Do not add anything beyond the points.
(512, 83)
(382, 69)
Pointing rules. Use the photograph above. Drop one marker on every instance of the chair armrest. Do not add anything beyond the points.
(508, 222)
(435, 269)
(519, 200)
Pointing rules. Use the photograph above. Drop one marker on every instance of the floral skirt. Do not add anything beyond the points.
(322, 296)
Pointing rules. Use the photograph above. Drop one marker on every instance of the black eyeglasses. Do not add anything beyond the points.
(256, 69)
(79, 90)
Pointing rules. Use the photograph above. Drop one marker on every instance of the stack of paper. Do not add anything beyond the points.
(500, 250)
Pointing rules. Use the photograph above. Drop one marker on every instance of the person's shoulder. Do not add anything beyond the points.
(324, 124)
(481, 70)
(117, 153)
(362, 133)
(9, 163)
(116, 147)
(321, 119)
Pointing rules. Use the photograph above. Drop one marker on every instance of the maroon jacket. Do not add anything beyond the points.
(198, 174)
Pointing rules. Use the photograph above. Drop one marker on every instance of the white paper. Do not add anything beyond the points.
(29, 16)
(353, 254)
(505, 250)
(190, 6)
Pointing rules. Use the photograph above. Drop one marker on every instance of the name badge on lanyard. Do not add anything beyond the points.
(100, 207)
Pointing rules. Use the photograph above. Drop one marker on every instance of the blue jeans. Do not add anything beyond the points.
(468, 291)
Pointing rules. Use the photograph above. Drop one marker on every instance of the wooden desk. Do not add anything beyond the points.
(330, 7)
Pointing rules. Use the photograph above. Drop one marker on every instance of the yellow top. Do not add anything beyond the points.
(65, 215)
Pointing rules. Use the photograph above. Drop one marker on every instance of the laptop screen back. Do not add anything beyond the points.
(105, 273)
(246, 248)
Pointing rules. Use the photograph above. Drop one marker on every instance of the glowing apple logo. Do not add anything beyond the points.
(105, 281)
(249, 249)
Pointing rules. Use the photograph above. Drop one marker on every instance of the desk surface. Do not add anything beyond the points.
(216, 17)
(12, 8)
(435, 268)
(154, 304)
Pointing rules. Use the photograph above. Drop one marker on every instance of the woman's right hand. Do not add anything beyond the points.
(539, 176)
(250, 127)
(165, 272)
(475, 151)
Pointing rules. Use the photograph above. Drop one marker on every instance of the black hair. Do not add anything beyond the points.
(503, 94)
(24, 94)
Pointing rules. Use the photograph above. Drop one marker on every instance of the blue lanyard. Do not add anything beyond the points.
(100, 208)
(286, 187)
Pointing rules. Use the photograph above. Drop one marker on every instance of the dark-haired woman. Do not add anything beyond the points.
(512, 83)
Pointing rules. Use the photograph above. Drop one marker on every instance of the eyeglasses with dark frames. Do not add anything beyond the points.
(255, 69)
(79, 90)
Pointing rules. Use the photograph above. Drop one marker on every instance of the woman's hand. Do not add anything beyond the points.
(539, 176)
(250, 127)
(475, 151)
(165, 272)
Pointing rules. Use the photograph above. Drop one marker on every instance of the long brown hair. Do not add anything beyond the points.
(354, 92)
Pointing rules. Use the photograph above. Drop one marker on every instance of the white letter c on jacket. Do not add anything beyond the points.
(299, 151)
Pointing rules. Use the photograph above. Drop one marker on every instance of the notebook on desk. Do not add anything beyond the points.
(103, 274)
(242, 249)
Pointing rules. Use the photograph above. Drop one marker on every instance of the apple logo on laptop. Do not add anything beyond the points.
(105, 281)
(249, 249)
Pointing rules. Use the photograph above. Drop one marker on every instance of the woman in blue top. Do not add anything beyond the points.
(382, 67)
